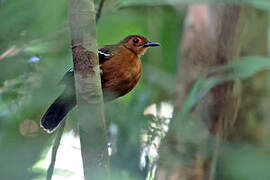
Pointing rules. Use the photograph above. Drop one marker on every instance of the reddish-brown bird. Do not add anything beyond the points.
(121, 70)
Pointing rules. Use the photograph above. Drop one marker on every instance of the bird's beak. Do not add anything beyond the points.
(149, 43)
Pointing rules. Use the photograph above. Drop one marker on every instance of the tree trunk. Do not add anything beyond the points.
(212, 38)
(88, 89)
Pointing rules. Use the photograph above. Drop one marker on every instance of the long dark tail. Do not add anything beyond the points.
(58, 110)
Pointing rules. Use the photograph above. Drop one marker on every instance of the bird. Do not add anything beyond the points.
(121, 70)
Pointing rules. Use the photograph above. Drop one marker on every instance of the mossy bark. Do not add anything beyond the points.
(92, 126)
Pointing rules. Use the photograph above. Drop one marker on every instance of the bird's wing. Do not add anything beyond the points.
(104, 54)
(68, 77)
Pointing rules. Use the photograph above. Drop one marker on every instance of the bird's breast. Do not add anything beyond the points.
(120, 74)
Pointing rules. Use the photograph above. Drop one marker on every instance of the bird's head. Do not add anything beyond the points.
(138, 44)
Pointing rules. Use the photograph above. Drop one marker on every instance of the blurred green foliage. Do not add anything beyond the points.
(35, 53)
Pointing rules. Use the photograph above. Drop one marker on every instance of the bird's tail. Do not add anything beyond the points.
(58, 110)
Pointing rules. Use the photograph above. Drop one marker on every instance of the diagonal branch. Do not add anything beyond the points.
(100, 6)
(55, 149)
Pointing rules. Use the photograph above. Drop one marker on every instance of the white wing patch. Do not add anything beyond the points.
(104, 54)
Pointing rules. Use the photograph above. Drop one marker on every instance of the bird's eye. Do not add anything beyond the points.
(135, 41)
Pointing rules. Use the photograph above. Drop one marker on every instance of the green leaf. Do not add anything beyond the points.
(239, 69)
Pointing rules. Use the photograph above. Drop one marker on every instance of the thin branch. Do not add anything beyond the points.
(55, 149)
(100, 6)
(216, 147)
